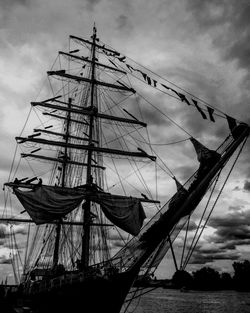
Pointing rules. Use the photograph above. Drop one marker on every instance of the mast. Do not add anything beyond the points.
(87, 205)
(64, 165)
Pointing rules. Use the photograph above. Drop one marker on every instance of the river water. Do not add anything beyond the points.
(174, 301)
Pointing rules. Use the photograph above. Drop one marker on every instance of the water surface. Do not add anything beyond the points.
(175, 301)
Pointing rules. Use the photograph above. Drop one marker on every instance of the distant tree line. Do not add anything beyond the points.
(208, 278)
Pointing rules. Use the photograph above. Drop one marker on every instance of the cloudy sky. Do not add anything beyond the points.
(202, 46)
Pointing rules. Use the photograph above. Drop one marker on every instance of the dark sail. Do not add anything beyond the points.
(205, 156)
(125, 212)
(48, 203)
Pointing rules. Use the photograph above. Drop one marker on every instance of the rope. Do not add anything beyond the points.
(198, 227)
(172, 83)
(185, 240)
(170, 119)
(164, 144)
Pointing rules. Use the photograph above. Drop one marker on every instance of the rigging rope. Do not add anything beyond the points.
(168, 81)
(185, 240)
(199, 225)
(170, 119)
(164, 144)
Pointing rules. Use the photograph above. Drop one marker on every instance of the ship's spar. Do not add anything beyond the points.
(55, 289)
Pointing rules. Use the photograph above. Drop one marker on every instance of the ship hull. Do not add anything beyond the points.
(93, 295)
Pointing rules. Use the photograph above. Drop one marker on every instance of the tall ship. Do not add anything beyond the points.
(93, 189)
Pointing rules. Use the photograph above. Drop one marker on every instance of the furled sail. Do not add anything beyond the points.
(178, 197)
(205, 156)
(47, 203)
(203, 153)
(125, 212)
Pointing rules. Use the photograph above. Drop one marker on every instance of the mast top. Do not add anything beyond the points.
(94, 30)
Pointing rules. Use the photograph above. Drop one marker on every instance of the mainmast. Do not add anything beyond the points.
(87, 205)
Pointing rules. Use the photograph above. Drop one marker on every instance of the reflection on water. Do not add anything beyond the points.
(174, 301)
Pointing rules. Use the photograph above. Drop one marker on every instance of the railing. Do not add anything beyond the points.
(45, 285)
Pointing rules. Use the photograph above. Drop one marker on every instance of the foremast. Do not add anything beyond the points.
(64, 168)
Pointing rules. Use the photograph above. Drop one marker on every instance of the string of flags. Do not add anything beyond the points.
(207, 113)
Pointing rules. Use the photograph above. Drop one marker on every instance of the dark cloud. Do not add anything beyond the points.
(231, 244)
(207, 252)
(233, 36)
(154, 117)
(138, 106)
(192, 226)
(237, 188)
(90, 4)
(8, 8)
(232, 229)
(231, 220)
(247, 186)
(122, 21)
(7, 4)
(5, 260)
(235, 208)
(203, 258)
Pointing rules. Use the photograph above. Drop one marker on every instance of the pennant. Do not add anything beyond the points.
(210, 112)
(105, 52)
(155, 83)
(122, 59)
(165, 86)
(144, 75)
(174, 91)
(112, 53)
(149, 80)
(199, 109)
(231, 122)
(130, 67)
(183, 98)
(109, 54)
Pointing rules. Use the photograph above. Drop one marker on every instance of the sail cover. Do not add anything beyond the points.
(125, 212)
(47, 203)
